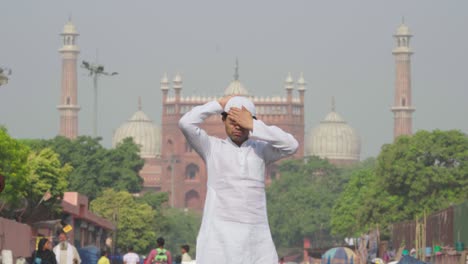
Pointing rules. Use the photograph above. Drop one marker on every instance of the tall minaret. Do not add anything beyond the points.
(68, 106)
(402, 108)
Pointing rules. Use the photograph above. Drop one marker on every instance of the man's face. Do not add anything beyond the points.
(237, 134)
(62, 237)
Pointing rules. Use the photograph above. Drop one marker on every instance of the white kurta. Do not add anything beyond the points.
(235, 224)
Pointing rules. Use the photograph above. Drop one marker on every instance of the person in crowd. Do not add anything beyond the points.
(103, 259)
(131, 257)
(44, 253)
(159, 255)
(65, 252)
(185, 250)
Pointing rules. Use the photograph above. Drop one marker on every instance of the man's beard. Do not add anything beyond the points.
(63, 245)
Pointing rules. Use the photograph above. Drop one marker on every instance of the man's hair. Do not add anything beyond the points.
(160, 241)
(103, 252)
(130, 248)
(186, 248)
(61, 232)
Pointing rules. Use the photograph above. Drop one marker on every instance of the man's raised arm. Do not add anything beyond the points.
(189, 124)
(281, 144)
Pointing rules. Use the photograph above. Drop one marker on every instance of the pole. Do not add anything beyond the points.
(95, 82)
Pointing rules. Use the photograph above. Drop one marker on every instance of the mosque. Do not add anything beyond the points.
(172, 166)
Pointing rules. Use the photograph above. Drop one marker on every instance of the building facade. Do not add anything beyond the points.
(176, 168)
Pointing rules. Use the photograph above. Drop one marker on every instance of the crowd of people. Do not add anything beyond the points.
(65, 253)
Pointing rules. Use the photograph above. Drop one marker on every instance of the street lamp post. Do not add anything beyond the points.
(95, 70)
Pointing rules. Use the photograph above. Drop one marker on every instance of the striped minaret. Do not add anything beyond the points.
(68, 107)
(403, 108)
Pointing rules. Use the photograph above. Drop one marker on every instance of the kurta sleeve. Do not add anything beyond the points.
(189, 124)
(279, 143)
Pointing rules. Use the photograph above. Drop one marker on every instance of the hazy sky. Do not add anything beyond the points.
(343, 48)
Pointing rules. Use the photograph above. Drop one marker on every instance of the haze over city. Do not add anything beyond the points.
(344, 49)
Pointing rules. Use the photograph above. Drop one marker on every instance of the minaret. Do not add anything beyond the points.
(68, 106)
(177, 85)
(289, 86)
(402, 108)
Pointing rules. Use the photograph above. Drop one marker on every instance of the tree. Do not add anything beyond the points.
(134, 220)
(425, 172)
(94, 167)
(300, 201)
(182, 228)
(361, 205)
(421, 173)
(13, 158)
(47, 180)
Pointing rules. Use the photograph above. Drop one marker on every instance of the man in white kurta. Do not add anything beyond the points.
(235, 224)
(66, 253)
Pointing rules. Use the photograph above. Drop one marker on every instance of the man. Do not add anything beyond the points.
(235, 225)
(65, 252)
(185, 256)
(160, 255)
(103, 259)
(131, 257)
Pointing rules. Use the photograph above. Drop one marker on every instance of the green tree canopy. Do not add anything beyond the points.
(300, 201)
(47, 182)
(94, 167)
(425, 172)
(181, 228)
(13, 159)
(134, 220)
(421, 173)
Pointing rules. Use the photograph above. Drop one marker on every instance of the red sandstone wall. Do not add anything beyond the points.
(16, 237)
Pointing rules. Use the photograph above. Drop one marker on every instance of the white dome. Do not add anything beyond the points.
(144, 133)
(236, 88)
(334, 139)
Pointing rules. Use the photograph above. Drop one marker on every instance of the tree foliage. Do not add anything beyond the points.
(47, 181)
(134, 220)
(421, 173)
(299, 203)
(94, 167)
(180, 227)
(13, 158)
(30, 175)
(425, 172)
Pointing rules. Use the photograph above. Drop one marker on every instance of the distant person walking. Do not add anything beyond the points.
(131, 257)
(159, 255)
(104, 259)
(65, 252)
(44, 253)
(185, 256)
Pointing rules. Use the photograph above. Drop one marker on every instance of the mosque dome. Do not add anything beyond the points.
(334, 140)
(236, 88)
(144, 133)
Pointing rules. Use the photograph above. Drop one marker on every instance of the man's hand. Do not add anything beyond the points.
(242, 117)
(223, 100)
